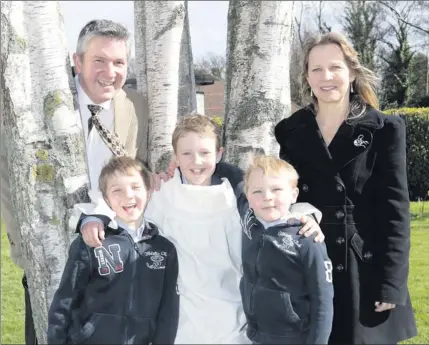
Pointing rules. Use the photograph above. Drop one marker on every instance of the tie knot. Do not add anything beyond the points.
(94, 109)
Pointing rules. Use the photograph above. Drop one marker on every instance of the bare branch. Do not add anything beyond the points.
(299, 24)
(400, 17)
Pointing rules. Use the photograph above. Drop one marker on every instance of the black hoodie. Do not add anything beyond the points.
(121, 293)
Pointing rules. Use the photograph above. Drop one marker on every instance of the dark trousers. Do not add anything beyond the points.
(30, 332)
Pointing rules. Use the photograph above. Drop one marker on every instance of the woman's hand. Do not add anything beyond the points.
(310, 227)
(383, 306)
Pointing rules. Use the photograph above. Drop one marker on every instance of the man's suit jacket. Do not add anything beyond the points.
(131, 122)
(131, 125)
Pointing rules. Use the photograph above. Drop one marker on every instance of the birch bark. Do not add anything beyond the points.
(257, 94)
(44, 143)
(164, 71)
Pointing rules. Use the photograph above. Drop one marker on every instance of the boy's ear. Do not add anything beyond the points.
(219, 155)
(295, 193)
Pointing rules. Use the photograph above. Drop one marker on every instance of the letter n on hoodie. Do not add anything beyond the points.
(109, 259)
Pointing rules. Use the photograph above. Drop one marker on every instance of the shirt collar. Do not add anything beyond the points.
(282, 220)
(84, 98)
(138, 231)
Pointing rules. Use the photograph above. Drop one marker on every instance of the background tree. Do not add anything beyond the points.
(131, 71)
(418, 81)
(361, 22)
(212, 64)
(396, 55)
(322, 26)
(187, 99)
(417, 21)
(159, 33)
(295, 71)
(257, 84)
(299, 35)
(396, 70)
(405, 36)
(45, 147)
(309, 19)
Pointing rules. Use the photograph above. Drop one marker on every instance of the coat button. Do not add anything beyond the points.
(339, 268)
(304, 188)
(340, 240)
(339, 188)
(339, 214)
(367, 256)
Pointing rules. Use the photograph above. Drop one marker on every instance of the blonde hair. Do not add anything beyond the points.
(364, 84)
(124, 165)
(199, 124)
(271, 165)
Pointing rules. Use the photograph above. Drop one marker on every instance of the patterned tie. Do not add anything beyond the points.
(109, 137)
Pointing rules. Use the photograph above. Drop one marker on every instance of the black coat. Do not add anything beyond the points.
(359, 183)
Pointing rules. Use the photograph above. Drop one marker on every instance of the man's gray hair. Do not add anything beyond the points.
(102, 28)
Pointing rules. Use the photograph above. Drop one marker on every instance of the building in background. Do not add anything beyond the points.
(210, 95)
(201, 81)
(214, 98)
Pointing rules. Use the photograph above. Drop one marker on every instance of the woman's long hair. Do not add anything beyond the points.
(364, 84)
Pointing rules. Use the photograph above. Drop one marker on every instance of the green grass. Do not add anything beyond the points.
(12, 295)
(418, 280)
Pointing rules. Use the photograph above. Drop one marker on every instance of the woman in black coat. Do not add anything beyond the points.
(352, 164)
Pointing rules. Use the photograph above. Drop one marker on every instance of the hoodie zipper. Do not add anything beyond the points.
(260, 245)
(135, 257)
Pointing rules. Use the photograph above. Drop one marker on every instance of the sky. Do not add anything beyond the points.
(207, 21)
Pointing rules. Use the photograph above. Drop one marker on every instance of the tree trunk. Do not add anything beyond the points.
(186, 71)
(160, 25)
(140, 46)
(45, 147)
(257, 92)
(187, 90)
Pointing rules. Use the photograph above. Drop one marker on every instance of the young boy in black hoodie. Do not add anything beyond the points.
(286, 288)
(125, 291)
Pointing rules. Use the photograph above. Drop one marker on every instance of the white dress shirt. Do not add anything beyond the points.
(97, 153)
(204, 225)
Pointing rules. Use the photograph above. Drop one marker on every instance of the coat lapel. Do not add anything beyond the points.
(122, 116)
(354, 138)
(351, 140)
(348, 143)
(307, 141)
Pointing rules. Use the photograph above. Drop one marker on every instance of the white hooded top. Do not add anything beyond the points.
(204, 225)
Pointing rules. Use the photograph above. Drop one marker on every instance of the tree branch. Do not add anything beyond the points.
(398, 15)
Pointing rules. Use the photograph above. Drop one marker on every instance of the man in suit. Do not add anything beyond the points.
(101, 62)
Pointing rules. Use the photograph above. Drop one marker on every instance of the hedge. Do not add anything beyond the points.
(417, 120)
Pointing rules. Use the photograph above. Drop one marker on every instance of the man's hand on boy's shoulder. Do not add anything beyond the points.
(163, 176)
(156, 180)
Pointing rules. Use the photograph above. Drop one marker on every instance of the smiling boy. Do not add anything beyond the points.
(125, 291)
(286, 288)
